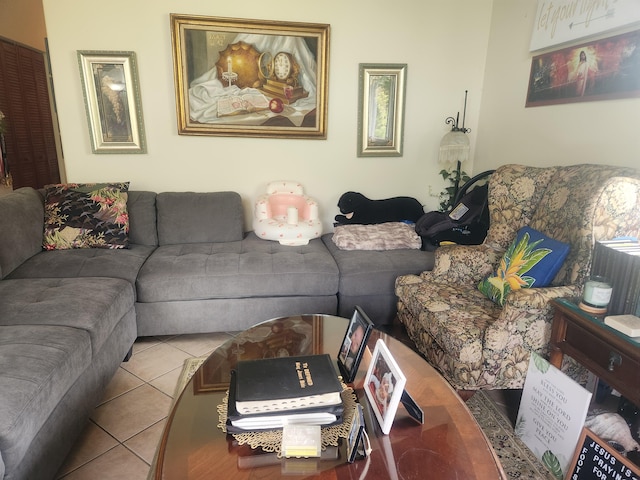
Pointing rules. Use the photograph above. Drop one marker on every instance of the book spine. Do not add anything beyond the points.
(633, 294)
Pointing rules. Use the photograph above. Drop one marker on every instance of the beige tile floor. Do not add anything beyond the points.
(125, 428)
(121, 438)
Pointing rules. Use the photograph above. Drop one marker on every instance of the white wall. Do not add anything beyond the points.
(444, 44)
(589, 132)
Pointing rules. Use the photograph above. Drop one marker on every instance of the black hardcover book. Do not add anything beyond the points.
(320, 415)
(286, 383)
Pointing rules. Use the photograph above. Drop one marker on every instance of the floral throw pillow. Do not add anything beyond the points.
(532, 259)
(86, 215)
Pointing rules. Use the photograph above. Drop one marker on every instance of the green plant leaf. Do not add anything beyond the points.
(552, 463)
(541, 364)
(520, 426)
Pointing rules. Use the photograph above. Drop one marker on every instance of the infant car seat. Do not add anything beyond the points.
(466, 224)
(286, 215)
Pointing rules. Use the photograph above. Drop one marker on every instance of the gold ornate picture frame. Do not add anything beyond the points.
(252, 78)
(381, 109)
(112, 99)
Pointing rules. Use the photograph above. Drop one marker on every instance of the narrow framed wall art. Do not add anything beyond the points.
(112, 99)
(381, 109)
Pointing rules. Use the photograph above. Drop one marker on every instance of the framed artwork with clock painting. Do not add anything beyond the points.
(256, 78)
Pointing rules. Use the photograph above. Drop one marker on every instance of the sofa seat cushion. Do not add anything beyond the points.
(40, 363)
(91, 304)
(86, 262)
(248, 268)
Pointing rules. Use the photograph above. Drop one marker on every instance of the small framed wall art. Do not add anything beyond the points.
(255, 78)
(112, 100)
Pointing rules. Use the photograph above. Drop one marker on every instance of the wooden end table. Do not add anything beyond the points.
(609, 354)
(449, 445)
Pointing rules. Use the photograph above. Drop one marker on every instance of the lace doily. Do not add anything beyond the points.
(271, 440)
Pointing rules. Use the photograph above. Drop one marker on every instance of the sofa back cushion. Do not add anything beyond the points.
(514, 194)
(584, 204)
(189, 217)
(21, 227)
(142, 218)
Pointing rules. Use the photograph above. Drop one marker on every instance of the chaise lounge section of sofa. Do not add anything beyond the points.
(61, 340)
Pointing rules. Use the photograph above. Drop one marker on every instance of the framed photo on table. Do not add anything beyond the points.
(354, 344)
(112, 99)
(255, 78)
(357, 440)
(384, 385)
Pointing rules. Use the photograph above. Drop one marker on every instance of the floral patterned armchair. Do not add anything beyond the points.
(477, 344)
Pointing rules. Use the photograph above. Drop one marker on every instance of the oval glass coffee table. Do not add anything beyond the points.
(449, 445)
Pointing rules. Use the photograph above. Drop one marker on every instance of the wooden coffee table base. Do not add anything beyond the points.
(449, 445)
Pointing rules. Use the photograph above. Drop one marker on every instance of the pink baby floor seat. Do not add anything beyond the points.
(286, 215)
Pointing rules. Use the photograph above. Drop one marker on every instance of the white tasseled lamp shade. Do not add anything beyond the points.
(454, 147)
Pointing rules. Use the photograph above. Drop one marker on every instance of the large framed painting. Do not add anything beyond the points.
(256, 78)
(112, 100)
(599, 70)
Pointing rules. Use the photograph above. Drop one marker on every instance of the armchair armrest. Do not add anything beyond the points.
(462, 264)
(527, 314)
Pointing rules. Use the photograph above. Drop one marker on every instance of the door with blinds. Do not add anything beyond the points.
(29, 148)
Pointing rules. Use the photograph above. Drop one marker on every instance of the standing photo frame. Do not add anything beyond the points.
(357, 440)
(112, 99)
(354, 344)
(253, 78)
(381, 109)
(384, 385)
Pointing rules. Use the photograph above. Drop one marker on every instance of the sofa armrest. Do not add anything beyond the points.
(462, 264)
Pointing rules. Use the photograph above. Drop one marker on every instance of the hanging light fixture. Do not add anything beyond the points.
(454, 146)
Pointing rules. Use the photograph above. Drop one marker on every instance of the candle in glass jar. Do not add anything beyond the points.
(597, 292)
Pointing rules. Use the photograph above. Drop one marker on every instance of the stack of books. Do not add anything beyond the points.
(619, 262)
(269, 393)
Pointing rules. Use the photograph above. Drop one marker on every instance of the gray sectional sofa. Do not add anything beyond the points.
(69, 317)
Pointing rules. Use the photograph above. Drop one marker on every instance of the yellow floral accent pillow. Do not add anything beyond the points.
(532, 259)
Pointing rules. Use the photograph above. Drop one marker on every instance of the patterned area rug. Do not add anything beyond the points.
(517, 460)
